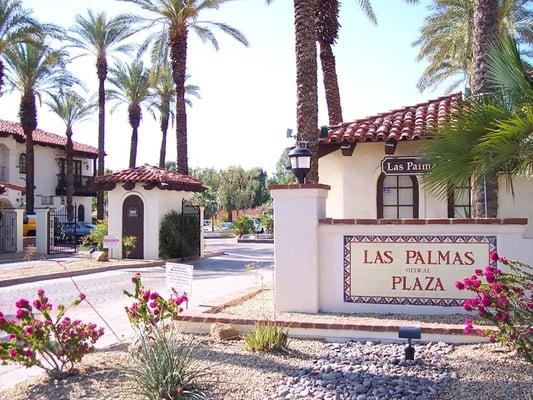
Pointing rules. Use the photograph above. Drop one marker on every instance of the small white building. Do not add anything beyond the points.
(50, 173)
(371, 238)
(139, 199)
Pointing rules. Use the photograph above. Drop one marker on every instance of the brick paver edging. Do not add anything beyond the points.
(68, 274)
(386, 326)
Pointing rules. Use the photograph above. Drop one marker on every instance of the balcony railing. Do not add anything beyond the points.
(83, 185)
(3, 174)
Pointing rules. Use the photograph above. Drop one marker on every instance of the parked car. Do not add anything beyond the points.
(207, 226)
(258, 228)
(30, 225)
(77, 230)
(226, 227)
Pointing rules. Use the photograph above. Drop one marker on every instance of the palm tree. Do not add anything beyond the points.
(447, 35)
(164, 98)
(71, 108)
(178, 18)
(131, 86)
(16, 26)
(35, 70)
(327, 32)
(490, 136)
(101, 37)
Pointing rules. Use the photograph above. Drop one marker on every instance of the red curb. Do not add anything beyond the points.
(300, 186)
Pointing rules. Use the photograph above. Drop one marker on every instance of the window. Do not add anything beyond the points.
(47, 200)
(460, 202)
(22, 163)
(81, 213)
(397, 196)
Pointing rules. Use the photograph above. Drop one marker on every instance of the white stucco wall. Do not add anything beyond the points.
(353, 182)
(157, 203)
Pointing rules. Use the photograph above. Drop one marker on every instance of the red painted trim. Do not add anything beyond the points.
(300, 186)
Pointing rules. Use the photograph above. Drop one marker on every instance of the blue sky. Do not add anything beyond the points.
(248, 94)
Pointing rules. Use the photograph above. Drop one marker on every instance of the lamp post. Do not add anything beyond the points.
(300, 159)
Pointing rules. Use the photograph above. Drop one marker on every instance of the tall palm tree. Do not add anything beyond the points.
(179, 18)
(35, 70)
(446, 38)
(327, 32)
(71, 108)
(489, 136)
(101, 37)
(16, 26)
(131, 86)
(164, 98)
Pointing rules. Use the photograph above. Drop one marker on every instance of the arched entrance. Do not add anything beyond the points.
(81, 213)
(133, 224)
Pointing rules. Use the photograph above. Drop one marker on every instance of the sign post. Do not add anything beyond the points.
(111, 242)
(179, 278)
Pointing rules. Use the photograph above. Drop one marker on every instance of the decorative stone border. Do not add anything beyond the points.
(425, 221)
(300, 186)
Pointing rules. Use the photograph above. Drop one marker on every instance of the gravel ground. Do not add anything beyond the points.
(40, 267)
(262, 306)
(314, 370)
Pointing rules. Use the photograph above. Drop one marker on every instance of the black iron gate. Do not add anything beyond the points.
(190, 230)
(63, 235)
(8, 231)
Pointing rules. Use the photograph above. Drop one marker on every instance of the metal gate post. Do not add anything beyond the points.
(42, 230)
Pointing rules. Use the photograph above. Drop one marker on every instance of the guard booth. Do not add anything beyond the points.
(139, 199)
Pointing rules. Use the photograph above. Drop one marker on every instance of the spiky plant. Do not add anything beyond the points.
(35, 70)
(71, 108)
(131, 87)
(179, 18)
(102, 37)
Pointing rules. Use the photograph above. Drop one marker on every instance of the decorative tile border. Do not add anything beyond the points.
(424, 221)
(349, 298)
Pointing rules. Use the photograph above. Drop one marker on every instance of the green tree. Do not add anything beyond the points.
(131, 87)
(211, 179)
(101, 37)
(491, 135)
(283, 175)
(71, 108)
(446, 38)
(178, 18)
(35, 70)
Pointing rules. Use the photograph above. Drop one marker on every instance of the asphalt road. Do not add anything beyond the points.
(214, 278)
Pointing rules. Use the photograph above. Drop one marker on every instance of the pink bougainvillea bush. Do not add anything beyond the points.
(38, 338)
(505, 299)
(150, 307)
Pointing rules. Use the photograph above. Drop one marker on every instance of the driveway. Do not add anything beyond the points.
(214, 278)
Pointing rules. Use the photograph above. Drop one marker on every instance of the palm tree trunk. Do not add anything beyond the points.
(178, 55)
(485, 192)
(164, 129)
(101, 69)
(28, 120)
(134, 112)
(70, 174)
(331, 84)
(306, 80)
(1, 76)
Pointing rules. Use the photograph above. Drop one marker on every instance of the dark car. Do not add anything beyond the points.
(77, 230)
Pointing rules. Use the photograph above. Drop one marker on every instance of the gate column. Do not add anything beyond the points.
(297, 210)
(42, 230)
(19, 231)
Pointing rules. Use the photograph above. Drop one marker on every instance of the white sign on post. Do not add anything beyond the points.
(111, 242)
(179, 278)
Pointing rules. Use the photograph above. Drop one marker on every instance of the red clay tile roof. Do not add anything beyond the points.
(5, 185)
(160, 177)
(43, 138)
(407, 123)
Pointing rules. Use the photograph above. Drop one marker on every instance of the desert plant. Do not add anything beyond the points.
(267, 337)
(179, 235)
(243, 225)
(97, 236)
(129, 243)
(39, 339)
(150, 308)
(505, 300)
(164, 368)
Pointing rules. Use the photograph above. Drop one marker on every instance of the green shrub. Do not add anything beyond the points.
(243, 225)
(267, 337)
(267, 221)
(179, 236)
(97, 236)
(164, 369)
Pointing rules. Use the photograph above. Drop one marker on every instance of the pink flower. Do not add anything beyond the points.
(494, 256)
(37, 304)
(478, 272)
(486, 301)
(22, 313)
(153, 304)
(492, 339)
(2, 318)
(11, 337)
(503, 317)
(476, 283)
(469, 305)
(489, 276)
(12, 353)
(82, 296)
(468, 326)
(23, 303)
(154, 295)
(28, 353)
(459, 285)
(40, 292)
(497, 287)
(28, 330)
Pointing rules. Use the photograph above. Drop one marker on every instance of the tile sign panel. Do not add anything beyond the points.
(412, 270)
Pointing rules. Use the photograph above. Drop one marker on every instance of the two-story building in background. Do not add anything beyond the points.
(50, 170)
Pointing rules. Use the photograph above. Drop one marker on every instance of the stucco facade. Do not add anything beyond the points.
(354, 184)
